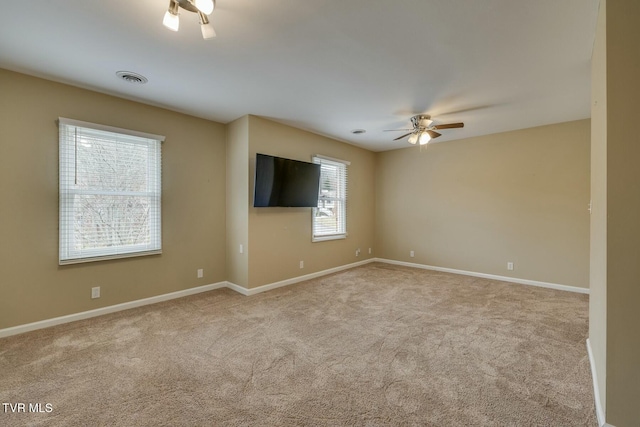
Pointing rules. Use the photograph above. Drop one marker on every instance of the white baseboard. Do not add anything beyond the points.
(15, 330)
(239, 289)
(253, 291)
(596, 388)
(287, 282)
(488, 276)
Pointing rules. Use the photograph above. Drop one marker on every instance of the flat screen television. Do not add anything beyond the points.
(285, 182)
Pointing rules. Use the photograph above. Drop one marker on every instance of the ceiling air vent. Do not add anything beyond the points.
(131, 77)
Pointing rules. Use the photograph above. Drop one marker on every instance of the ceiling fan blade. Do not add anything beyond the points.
(396, 130)
(449, 126)
(433, 134)
(403, 136)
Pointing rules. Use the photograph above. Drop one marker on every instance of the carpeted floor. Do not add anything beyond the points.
(374, 345)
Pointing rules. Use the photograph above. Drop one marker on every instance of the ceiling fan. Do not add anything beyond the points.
(424, 130)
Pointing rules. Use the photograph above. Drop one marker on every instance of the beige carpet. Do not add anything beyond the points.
(374, 345)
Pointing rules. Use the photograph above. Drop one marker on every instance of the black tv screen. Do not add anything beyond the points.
(285, 182)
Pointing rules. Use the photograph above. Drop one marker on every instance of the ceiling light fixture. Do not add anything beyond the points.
(205, 26)
(424, 130)
(421, 125)
(202, 7)
(171, 20)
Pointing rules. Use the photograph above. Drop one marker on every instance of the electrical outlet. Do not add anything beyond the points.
(369, 251)
(95, 292)
(358, 252)
(412, 254)
(301, 264)
(200, 273)
(241, 248)
(509, 266)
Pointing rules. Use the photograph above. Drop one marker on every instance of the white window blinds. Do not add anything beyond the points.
(330, 217)
(110, 192)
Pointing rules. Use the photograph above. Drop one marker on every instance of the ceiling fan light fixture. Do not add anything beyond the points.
(424, 130)
(424, 121)
(202, 8)
(207, 31)
(171, 19)
(205, 6)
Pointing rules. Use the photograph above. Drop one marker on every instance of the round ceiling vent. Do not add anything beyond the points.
(132, 77)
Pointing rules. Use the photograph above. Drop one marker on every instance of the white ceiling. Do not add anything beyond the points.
(327, 66)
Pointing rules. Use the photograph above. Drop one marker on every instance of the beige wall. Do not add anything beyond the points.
(615, 230)
(237, 201)
(476, 204)
(623, 212)
(32, 285)
(471, 204)
(279, 238)
(598, 227)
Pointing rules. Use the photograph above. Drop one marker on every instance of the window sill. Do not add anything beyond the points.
(108, 257)
(325, 238)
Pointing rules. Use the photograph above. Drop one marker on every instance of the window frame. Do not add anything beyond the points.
(68, 199)
(341, 198)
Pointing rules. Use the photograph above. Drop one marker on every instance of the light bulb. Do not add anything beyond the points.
(207, 31)
(171, 21)
(413, 138)
(425, 138)
(205, 6)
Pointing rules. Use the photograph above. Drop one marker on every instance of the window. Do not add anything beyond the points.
(110, 187)
(330, 217)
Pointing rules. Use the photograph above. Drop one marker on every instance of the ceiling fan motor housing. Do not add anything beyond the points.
(421, 121)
